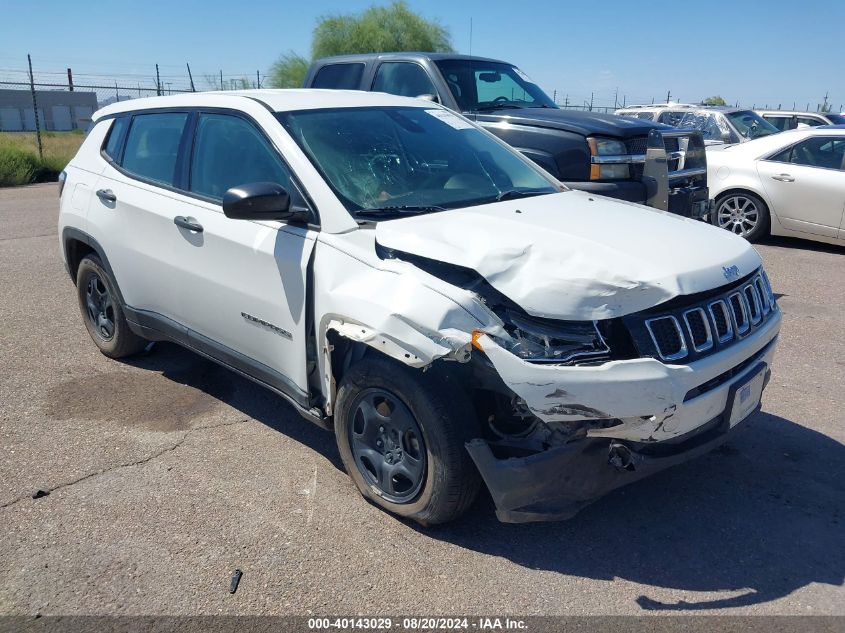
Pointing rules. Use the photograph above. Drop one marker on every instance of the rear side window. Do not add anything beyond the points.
(781, 122)
(811, 121)
(115, 138)
(229, 151)
(404, 79)
(339, 76)
(152, 145)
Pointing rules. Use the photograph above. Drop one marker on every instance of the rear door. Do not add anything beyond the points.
(131, 214)
(243, 282)
(806, 185)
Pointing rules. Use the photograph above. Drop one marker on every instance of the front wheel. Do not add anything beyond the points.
(742, 213)
(401, 435)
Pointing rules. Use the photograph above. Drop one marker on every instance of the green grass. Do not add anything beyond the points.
(19, 161)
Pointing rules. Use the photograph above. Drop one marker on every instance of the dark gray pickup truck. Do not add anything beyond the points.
(624, 158)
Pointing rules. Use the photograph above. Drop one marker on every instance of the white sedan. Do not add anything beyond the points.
(792, 183)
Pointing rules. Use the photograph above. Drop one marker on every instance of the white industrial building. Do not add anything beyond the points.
(59, 110)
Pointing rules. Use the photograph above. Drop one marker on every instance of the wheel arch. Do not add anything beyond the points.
(77, 245)
(344, 342)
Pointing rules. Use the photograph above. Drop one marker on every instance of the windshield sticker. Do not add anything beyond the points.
(450, 119)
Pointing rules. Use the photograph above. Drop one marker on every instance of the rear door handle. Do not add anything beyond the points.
(106, 195)
(784, 178)
(187, 223)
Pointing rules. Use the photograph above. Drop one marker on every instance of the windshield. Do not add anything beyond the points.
(410, 159)
(750, 124)
(479, 85)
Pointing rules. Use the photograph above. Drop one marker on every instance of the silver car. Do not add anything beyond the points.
(718, 125)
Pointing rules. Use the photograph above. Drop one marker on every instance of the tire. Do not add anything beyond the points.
(444, 417)
(102, 311)
(742, 213)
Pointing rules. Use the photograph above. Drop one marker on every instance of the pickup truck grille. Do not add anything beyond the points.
(691, 330)
(637, 147)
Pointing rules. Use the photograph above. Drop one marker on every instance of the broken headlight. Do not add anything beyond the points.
(543, 340)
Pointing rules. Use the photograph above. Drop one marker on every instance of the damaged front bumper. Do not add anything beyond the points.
(556, 484)
(649, 416)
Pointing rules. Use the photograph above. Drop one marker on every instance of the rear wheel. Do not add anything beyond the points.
(401, 435)
(101, 310)
(742, 213)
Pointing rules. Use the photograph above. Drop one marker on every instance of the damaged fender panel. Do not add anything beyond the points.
(645, 395)
(391, 306)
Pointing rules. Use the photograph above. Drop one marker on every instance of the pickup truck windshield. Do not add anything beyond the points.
(387, 161)
(479, 85)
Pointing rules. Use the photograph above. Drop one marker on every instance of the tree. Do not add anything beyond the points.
(378, 29)
(715, 100)
(288, 71)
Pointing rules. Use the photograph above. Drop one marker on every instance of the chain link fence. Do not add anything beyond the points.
(55, 101)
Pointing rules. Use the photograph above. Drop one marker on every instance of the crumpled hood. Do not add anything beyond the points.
(575, 255)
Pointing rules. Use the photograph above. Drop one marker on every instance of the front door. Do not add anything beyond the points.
(806, 185)
(243, 287)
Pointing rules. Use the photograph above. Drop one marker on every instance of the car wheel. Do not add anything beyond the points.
(401, 435)
(101, 310)
(744, 214)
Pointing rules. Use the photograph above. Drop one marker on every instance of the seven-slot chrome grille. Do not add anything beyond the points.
(706, 325)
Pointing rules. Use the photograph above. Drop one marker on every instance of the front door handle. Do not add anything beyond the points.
(187, 223)
(784, 178)
(106, 195)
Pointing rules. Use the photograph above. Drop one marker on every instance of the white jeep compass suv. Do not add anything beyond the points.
(410, 282)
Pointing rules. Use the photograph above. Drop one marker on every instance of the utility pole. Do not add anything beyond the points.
(158, 82)
(257, 80)
(566, 103)
(116, 92)
(624, 100)
(616, 98)
(35, 107)
(190, 77)
(70, 79)
(592, 94)
(668, 96)
(221, 80)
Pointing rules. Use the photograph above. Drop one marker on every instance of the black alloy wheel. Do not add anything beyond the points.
(388, 445)
(100, 307)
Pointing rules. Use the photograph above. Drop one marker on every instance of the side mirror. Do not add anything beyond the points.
(261, 201)
(427, 97)
(726, 138)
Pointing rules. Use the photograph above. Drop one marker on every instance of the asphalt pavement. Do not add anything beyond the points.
(166, 473)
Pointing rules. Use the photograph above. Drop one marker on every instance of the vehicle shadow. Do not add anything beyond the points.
(760, 517)
(187, 368)
(802, 244)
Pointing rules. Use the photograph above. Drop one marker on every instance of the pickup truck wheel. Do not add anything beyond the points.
(401, 435)
(742, 213)
(102, 312)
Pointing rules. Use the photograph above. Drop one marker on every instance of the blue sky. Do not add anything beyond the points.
(759, 53)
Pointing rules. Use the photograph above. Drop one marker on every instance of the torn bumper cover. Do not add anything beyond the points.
(556, 484)
(660, 415)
